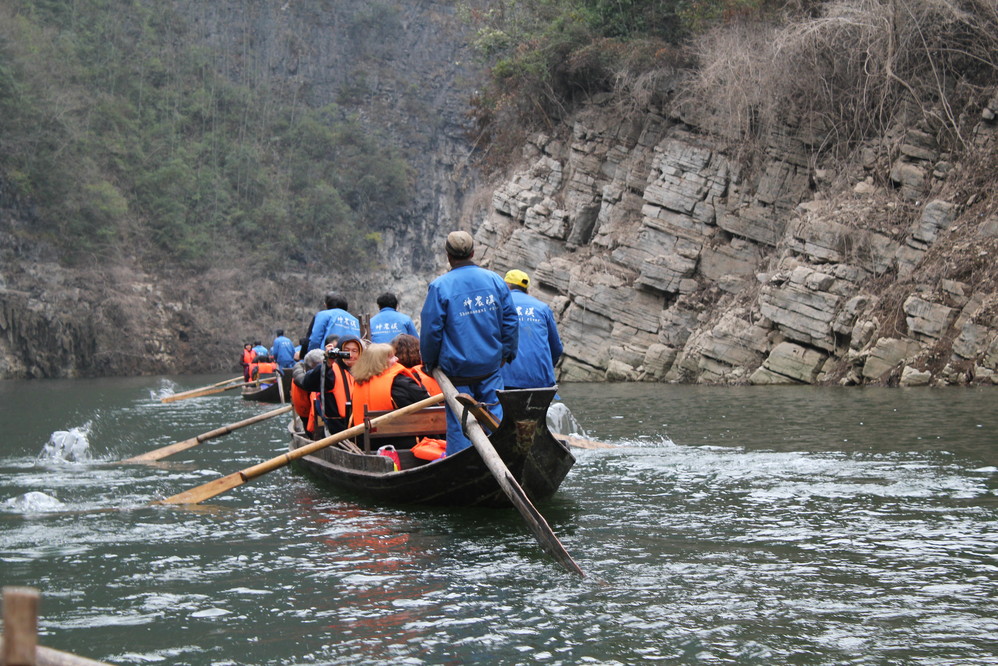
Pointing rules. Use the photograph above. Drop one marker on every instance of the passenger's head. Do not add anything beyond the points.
(459, 246)
(248, 345)
(352, 344)
(388, 300)
(376, 359)
(336, 300)
(407, 349)
(313, 358)
(329, 344)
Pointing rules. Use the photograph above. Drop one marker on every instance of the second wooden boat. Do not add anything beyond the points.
(270, 391)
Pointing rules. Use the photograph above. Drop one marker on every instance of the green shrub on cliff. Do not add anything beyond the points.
(119, 125)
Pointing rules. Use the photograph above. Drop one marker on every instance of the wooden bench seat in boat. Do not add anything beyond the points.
(424, 423)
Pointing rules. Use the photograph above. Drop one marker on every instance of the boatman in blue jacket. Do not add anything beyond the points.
(283, 350)
(469, 329)
(389, 323)
(539, 343)
(334, 320)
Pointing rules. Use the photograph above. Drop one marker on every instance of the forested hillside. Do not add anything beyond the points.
(711, 189)
(119, 125)
(178, 176)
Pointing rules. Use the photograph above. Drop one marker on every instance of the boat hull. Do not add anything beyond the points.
(269, 392)
(536, 459)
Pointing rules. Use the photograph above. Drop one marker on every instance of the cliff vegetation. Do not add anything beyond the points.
(118, 125)
(775, 193)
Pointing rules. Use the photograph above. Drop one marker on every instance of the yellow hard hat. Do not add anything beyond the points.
(517, 278)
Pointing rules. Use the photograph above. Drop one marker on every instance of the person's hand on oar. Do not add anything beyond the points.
(165, 451)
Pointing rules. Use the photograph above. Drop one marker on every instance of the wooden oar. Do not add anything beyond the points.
(219, 486)
(211, 386)
(165, 451)
(211, 390)
(542, 531)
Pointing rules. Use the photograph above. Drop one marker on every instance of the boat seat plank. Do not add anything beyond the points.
(429, 421)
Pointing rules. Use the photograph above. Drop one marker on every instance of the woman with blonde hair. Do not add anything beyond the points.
(382, 383)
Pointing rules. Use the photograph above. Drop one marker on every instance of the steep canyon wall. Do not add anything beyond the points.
(669, 258)
(665, 252)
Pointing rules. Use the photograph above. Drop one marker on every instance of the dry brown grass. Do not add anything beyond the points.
(857, 70)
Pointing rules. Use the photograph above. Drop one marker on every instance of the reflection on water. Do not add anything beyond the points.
(729, 525)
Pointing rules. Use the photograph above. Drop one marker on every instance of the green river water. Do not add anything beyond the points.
(729, 525)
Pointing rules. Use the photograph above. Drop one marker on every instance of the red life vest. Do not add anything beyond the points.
(248, 356)
(376, 392)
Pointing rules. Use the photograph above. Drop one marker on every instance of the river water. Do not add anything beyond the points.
(749, 525)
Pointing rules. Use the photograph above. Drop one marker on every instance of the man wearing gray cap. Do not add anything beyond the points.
(469, 328)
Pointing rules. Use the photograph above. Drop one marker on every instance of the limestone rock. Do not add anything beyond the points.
(790, 363)
(885, 356)
(913, 377)
(926, 320)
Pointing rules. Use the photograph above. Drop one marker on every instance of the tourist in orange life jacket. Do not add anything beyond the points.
(407, 349)
(335, 379)
(248, 357)
(382, 383)
(263, 366)
(302, 399)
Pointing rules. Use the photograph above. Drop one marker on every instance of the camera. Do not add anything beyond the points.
(336, 353)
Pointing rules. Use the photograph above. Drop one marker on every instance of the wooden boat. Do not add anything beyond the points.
(537, 460)
(270, 391)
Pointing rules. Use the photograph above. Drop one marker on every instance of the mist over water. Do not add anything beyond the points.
(728, 525)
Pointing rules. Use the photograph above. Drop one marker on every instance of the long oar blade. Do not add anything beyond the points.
(211, 390)
(219, 486)
(159, 454)
(210, 386)
(540, 528)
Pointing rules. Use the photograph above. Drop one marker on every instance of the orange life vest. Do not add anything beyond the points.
(248, 356)
(263, 369)
(427, 380)
(342, 391)
(376, 392)
(302, 403)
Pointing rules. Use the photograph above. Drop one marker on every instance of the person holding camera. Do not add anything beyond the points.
(333, 381)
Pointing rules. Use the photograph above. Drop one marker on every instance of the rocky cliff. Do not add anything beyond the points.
(668, 257)
(667, 253)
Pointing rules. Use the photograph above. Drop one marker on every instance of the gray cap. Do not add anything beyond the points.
(314, 358)
(460, 244)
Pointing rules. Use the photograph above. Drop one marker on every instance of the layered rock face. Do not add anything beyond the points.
(666, 258)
